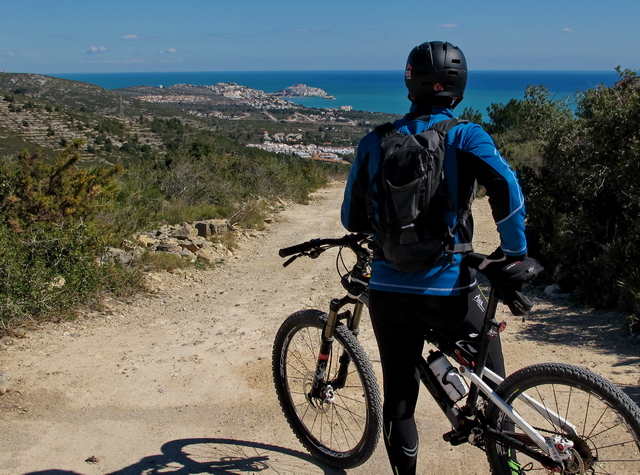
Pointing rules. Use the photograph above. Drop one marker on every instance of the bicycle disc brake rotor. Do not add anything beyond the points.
(320, 404)
(582, 459)
(575, 466)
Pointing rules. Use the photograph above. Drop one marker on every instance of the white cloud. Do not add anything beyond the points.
(449, 25)
(170, 50)
(568, 30)
(96, 50)
(129, 37)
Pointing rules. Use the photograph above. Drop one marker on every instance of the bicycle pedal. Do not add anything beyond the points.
(456, 438)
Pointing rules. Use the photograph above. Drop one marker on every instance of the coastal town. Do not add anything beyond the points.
(190, 93)
(285, 143)
(302, 90)
(199, 96)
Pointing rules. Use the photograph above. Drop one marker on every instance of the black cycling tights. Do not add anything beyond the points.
(400, 322)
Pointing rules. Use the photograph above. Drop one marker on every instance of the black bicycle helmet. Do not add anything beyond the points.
(436, 70)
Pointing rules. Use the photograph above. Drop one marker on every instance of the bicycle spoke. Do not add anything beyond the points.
(600, 439)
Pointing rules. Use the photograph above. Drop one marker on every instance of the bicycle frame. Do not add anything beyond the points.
(466, 425)
(463, 431)
(459, 419)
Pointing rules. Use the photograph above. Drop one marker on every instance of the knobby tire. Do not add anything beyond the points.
(607, 421)
(342, 433)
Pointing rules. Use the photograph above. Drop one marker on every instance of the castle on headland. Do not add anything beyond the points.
(302, 90)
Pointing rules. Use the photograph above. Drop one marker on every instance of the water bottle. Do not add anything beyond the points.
(447, 376)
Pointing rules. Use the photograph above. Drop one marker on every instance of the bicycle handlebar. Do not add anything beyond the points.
(309, 245)
(348, 240)
(517, 302)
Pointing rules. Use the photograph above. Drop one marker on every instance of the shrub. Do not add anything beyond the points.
(49, 270)
(33, 190)
(49, 240)
(521, 128)
(583, 202)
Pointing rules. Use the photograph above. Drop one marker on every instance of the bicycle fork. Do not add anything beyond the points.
(322, 388)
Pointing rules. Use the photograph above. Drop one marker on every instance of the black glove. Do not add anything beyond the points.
(507, 274)
(500, 268)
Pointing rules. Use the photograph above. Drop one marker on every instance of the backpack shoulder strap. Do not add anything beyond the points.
(385, 131)
(444, 126)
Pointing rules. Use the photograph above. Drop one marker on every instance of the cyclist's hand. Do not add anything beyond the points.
(500, 268)
(507, 274)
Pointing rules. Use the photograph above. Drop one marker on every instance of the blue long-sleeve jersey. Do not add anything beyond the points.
(470, 156)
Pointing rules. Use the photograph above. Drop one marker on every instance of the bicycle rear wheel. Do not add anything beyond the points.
(602, 422)
(341, 427)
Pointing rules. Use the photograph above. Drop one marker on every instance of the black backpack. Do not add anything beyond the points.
(411, 232)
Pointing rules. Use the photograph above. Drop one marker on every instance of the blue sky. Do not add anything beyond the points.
(71, 36)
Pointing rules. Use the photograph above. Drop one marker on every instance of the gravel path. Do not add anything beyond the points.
(179, 381)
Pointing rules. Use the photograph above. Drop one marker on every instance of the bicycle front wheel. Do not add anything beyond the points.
(340, 424)
(594, 425)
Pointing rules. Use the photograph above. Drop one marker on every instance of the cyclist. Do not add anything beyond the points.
(446, 297)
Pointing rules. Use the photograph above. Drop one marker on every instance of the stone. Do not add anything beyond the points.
(186, 231)
(189, 246)
(555, 292)
(204, 229)
(218, 226)
(187, 255)
(168, 246)
(146, 241)
(208, 255)
(114, 254)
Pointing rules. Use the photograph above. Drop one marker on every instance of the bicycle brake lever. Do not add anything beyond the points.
(315, 253)
(290, 260)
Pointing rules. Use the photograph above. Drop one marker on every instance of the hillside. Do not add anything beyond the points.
(44, 112)
(62, 92)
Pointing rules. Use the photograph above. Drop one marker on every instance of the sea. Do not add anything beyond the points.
(373, 91)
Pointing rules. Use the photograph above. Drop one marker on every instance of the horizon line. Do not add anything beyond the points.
(309, 71)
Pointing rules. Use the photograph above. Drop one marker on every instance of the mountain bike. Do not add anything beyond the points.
(545, 418)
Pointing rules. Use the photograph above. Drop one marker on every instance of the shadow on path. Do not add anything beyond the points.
(220, 457)
(602, 331)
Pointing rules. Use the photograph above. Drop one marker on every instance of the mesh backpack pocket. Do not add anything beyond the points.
(409, 177)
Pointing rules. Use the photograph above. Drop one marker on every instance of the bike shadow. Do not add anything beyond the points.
(218, 456)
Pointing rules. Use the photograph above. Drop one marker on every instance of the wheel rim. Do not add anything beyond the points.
(603, 443)
(338, 426)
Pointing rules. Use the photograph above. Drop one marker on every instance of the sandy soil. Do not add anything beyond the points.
(179, 381)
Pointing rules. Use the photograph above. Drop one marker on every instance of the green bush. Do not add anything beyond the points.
(211, 177)
(49, 240)
(49, 270)
(584, 200)
(35, 191)
(521, 128)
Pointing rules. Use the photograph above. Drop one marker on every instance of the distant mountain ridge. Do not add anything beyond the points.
(62, 92)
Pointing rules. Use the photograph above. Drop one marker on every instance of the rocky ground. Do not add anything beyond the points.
(179, 380)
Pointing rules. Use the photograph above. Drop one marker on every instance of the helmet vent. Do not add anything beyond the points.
(436, 70)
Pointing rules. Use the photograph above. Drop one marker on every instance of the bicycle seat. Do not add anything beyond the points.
(508, 281)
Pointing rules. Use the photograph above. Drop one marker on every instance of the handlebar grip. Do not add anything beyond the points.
(288, 251)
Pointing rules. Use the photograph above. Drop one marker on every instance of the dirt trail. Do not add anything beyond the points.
(179, 381)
